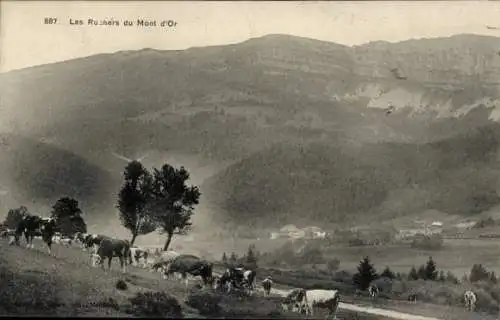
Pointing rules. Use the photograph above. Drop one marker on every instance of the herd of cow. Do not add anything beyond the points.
(169, 263)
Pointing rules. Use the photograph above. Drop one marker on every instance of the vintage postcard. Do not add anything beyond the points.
(250, 159)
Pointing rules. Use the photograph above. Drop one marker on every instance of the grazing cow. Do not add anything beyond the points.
(56, 238)
(8, 233)
(136, 254)
(237, 277)
(188, 264)
(470, 300)
(249, 278)
(302, 300)
(373, 291)
(267, 283)
(29, 226)
(65, 241)
(109, 248)
(164, 259)
(412, 297)
(80, 238)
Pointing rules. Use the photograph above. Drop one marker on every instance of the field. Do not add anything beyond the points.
(34, 283)
(457, 256)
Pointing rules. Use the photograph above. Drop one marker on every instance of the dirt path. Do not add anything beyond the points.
(370, 310)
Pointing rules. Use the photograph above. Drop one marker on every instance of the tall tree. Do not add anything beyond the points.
(387, 273)
(132, 200)
(251, 257)
(65, 207)
(68, 216)
(413, 275)
(14, 216)
(171, 202)
(431, 272)
(365, 275)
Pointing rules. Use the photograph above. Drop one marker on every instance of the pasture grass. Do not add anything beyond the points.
(34, 283)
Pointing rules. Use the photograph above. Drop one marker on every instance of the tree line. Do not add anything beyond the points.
(148, 201)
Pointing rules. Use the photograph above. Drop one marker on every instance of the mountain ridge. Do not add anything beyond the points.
(234, 103)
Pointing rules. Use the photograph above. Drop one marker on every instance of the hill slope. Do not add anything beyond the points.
(260, 103)
(36, 172)
(338, 182)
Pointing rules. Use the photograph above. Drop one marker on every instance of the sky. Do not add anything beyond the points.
(26, 41)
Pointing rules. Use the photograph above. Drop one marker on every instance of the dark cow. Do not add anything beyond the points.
(238, 278)
(109, 248)
(373, 291)
(301, 300)
(267, 283)
(412, 297)
(30, 226)
(188, 264)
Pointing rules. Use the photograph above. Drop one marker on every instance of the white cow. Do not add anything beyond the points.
(66, 241)
(373, 291)
(470, 300)
(306, 300)
(136, 255)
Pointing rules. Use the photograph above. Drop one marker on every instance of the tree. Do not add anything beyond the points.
(493, 277)
(451, 278)
(430, 270)
(333, 265)
(478, 273)
(171, 202)
(365, 275)
(387, 273)
(251, 258)
(67, 214)
(233, 259)
(413, 275)
(441, 276)
(14, 216)
(65, 207)
(132, 200)
(421, 272)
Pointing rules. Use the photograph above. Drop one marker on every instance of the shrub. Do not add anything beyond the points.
(333, 265)
(425, 242)
(155, 304)
(205, 302)
(121, 285)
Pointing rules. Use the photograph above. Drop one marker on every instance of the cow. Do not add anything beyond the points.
(109, 248)
(470, 300)
(412, 297)
(188, 264)
(306, 300)
(66, 241)
(237, 277)
(163, 260)
(29, 226)
(249, 278)
(56, 238)
(373, 291)
(8, 233)
(80, 238)
(136, 254)
(267, 283)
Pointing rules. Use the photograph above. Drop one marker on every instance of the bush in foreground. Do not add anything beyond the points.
(206, 303)
(155, 304)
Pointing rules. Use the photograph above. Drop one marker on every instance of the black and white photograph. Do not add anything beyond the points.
(250, 159)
